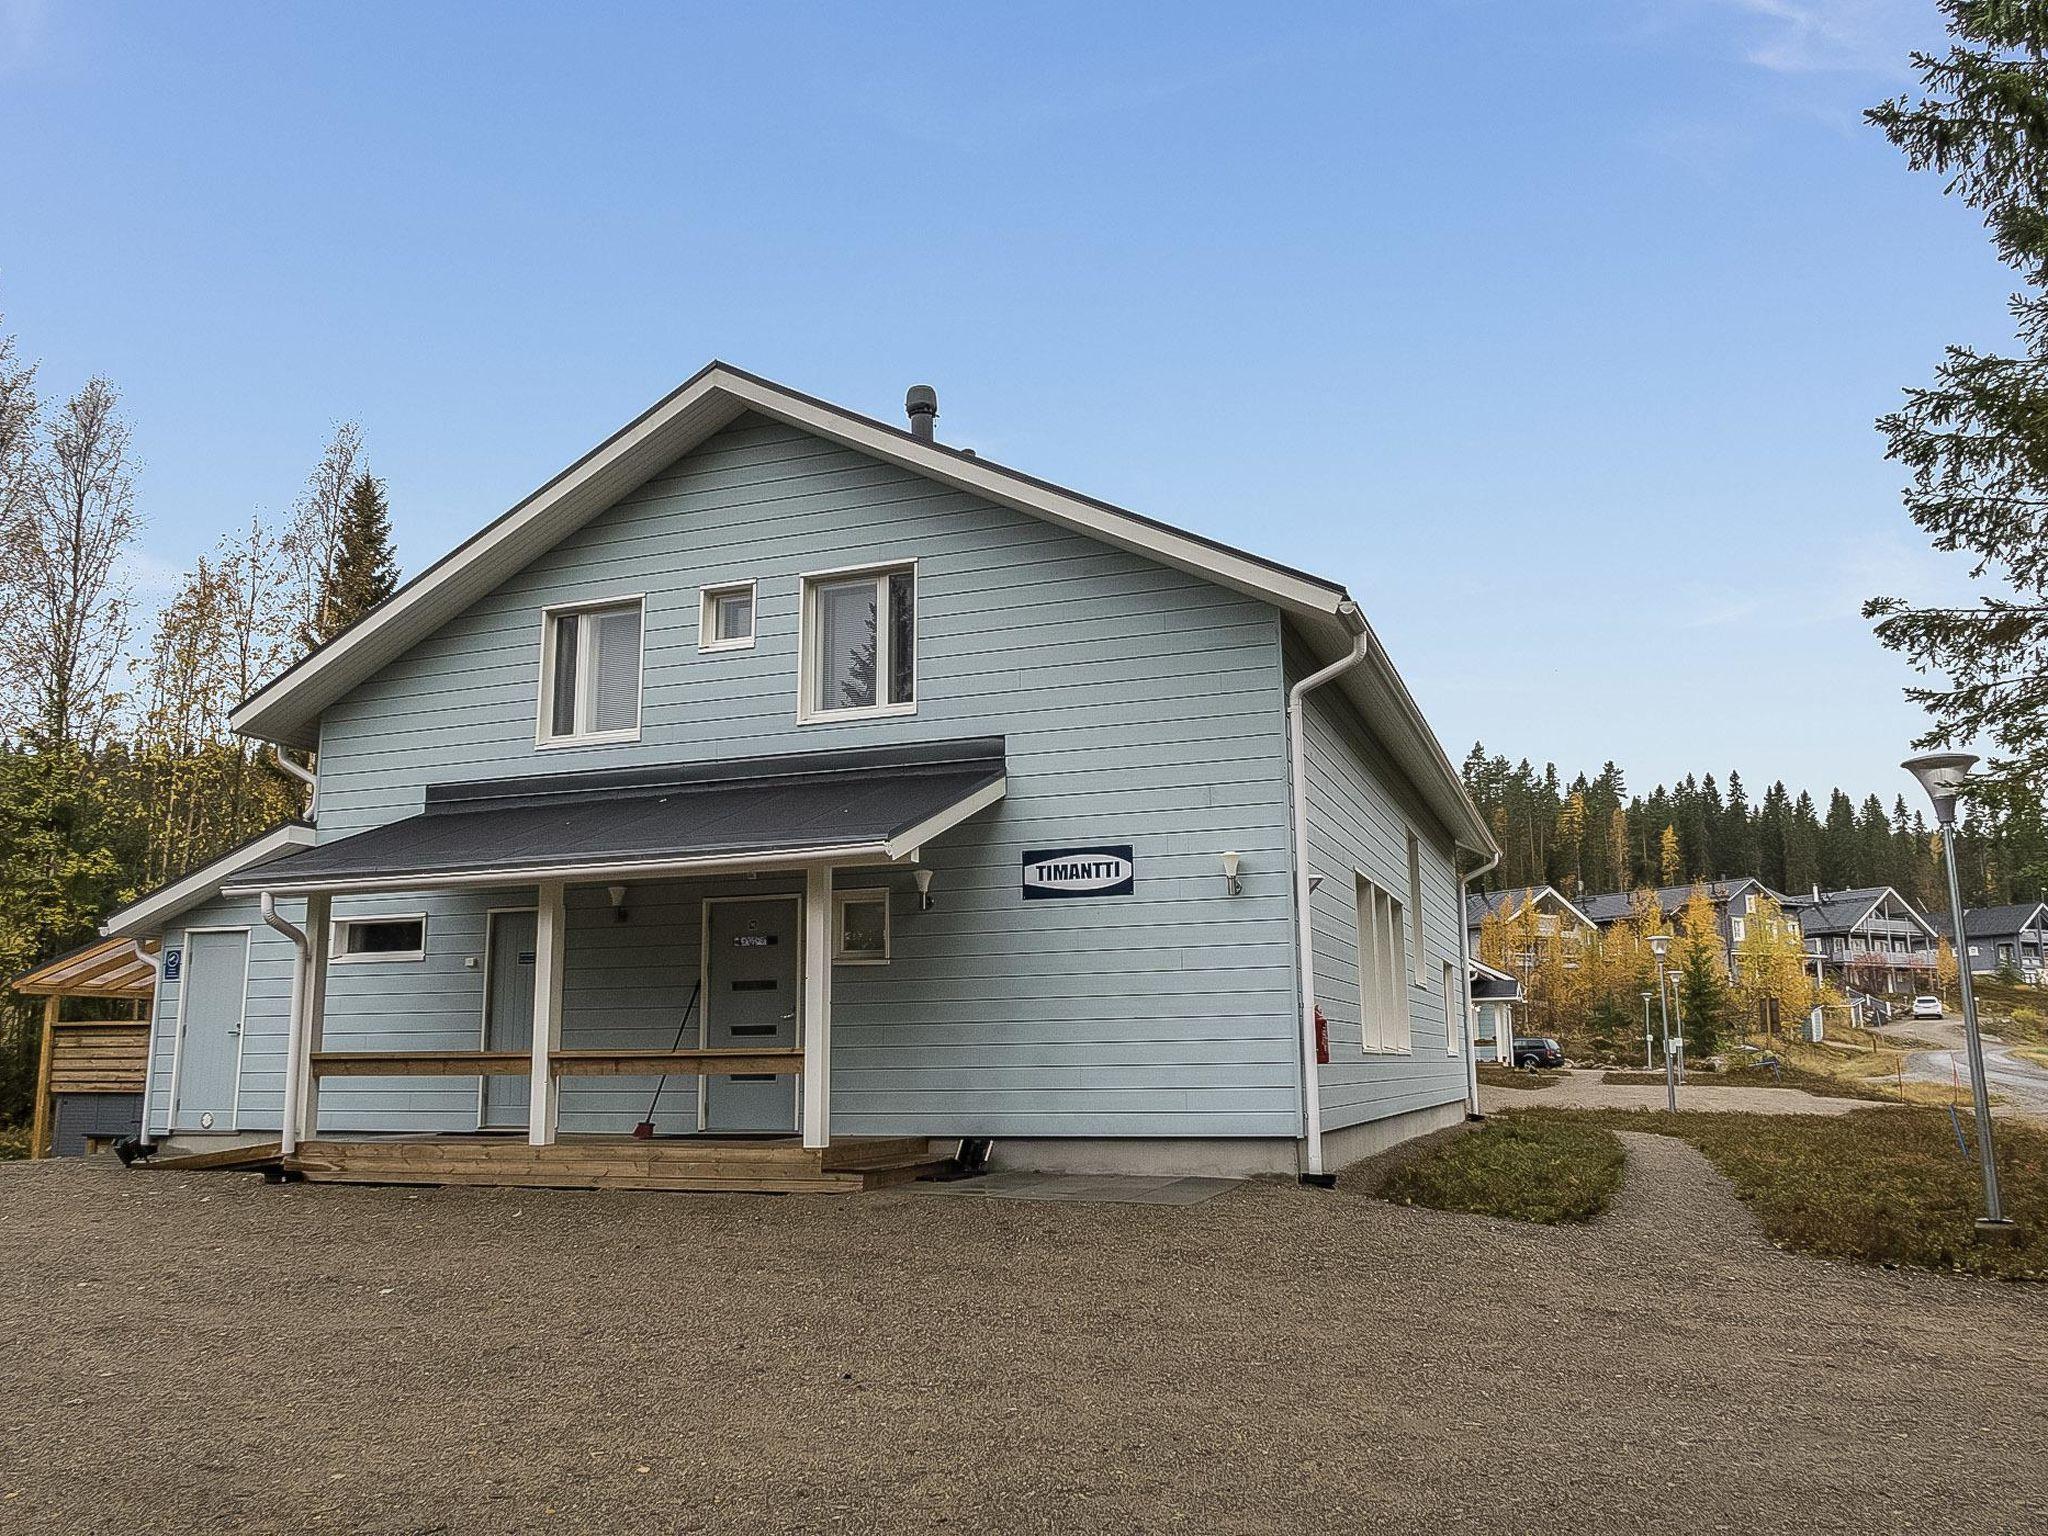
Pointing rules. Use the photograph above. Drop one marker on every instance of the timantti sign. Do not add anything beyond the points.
(1057, 873)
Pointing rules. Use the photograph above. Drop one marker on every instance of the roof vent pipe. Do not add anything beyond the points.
(921, 405)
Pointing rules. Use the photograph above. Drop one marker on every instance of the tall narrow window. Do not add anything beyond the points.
(1418, 954)
(1382, 971)
(859, 644)
(590, 675)
(1454, 1011)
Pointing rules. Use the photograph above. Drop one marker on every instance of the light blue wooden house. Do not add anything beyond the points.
(826, 797)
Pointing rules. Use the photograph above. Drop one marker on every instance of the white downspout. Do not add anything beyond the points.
(302, 964)
(1311, 1081)
(305, 776)
(155, 961)
(1465, 965)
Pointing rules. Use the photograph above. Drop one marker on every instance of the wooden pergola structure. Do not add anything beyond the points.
(93, 1056)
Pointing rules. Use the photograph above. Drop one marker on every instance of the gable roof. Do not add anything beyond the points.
(1839, 911)
(148, 914)
(1612, 906)
(1481, 905)
(287, 709)
(1992, 922)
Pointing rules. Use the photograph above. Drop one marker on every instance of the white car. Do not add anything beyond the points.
(1927, 1008)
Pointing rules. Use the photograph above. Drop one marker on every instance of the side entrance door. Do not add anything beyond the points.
(210, 1008)
(508, 1013)
(750, 1002)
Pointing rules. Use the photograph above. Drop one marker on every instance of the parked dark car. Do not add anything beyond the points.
(1531, 1052)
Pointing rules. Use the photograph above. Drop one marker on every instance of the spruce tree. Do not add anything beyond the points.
(365, 564)
(1974, 443)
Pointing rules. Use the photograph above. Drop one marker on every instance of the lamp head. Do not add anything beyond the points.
(1660, 944)
(1230, 880)
(923, 877)
(1942, 775)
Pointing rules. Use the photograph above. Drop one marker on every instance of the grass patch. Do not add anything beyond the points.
(1525, 1170)
(2016, 1013)
(1514, 1077)
(1883, 1187)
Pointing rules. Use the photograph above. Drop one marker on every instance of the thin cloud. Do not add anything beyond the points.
(1804, 37)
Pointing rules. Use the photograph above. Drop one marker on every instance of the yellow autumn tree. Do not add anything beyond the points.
(1670, 866)
(1701, 959)
(1947, 973)
(1770, 962)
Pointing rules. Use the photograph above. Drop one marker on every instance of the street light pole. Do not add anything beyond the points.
(1659, 943)
(1649, 1059)
(1942, 775)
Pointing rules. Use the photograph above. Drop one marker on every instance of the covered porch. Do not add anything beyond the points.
(762, 856)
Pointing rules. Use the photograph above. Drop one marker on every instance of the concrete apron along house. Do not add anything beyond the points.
(777, 798)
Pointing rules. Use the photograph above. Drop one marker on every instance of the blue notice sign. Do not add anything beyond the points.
(174, 964)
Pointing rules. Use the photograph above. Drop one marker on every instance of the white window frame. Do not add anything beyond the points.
(1738, 928)
(586, 674)
(1384, 1026)
(337, 939)
(707, 605)
(807, 630)
(1418, 940)
(868, 896)
(1454, 1008)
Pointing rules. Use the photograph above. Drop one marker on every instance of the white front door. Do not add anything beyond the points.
(751, 996)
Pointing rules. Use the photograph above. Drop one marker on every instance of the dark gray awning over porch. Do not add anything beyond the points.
(864, 806)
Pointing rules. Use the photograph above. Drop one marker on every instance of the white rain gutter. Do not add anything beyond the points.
(1465, 964)
(1311, 1079)
(305, 776)
(156, 964)
(302, 964)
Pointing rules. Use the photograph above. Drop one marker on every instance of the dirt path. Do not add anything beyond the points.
(204, 1352)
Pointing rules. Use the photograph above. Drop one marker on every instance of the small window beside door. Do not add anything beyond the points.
(727, 621)
(381, 938)
(860, 928)
(859, 645)
(590, 674)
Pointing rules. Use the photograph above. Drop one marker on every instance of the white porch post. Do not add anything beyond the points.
(309, 1031)
(817, 1007)
(547, 1013)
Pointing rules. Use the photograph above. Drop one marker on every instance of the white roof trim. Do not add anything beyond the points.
(838, 856)
(287, 709)
(203, 883)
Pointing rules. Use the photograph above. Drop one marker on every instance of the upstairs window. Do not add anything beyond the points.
(728, 619)
(859, 655)
(590, 674)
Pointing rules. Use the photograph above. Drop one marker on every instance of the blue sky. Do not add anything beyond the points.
(1555, 330)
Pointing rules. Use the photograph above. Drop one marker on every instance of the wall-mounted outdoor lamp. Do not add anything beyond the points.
(1230, 881)
(923, 877)
(617, 893)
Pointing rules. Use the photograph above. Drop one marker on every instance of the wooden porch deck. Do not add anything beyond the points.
(706, 1164)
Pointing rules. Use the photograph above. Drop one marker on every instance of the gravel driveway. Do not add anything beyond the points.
(191, 1352)
(1582, 1089)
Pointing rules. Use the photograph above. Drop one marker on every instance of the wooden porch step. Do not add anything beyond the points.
(261, 1154)
(769, 1165)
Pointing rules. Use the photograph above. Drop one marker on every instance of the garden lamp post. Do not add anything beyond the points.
(1943, 775)
(1649, 1059)
(1659, 944)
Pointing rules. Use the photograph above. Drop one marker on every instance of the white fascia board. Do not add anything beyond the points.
(203, 883)
(844, 856)
(906, 843)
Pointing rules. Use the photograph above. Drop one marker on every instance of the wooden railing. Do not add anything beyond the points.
(578, 1063)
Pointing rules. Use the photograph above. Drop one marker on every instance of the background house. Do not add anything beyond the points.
(1872, 939)
(2013, 938)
